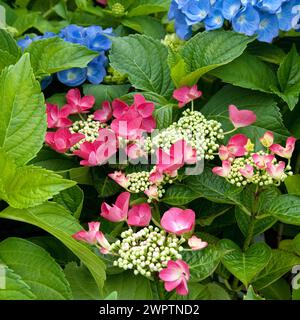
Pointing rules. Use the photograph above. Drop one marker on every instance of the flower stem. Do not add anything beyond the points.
(231, 131)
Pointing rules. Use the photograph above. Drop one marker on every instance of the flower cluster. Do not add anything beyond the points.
(240, 166)
(151, 250)
(263, 18)
(94, 38)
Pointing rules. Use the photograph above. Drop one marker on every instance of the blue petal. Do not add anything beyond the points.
(95, 73)
(246, 21)
(99, 43)
(270, 6)
(230, 8)
(214, 20)
(45, 82)
(196, 11)
(268, 28)
(72, 77)
(286, 16)
(183, 30)
(24, 43)
(74, 34)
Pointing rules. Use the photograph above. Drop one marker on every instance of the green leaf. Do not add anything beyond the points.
(203, 262)
(146, 68)
(251, 295)
(37, 269)
(71, 199)
(25, 187)
(213, 187)
(266, 52)
(14, 287)
(178, 195)
(56, 220)
(248, 72)
(49, 56)
(128, 286)
(278, 290)
(82, 283)
(25, 20)
(164, 116)
(146, 25)
(105, 186)
(146, 7)
(104, 92)
(23, 117)
(245, 265)
(9, 50)
(264, 106)
(286, 209)
(292, 184)
(205, 52)
(296, 244)
(213, 291)
(289, 78)
(281, 262)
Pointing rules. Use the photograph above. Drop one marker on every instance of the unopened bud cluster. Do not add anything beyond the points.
(114, 77)
(138, 181)
(118, 10)
(260, 176)
(146, 251)
(193, 127)
(173, 42)
(90, 128)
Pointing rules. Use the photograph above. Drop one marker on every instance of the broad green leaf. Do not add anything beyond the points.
(278, 290)
(292, 184)
(164, 116)
(146, 7)
(52, 55)
(178, 195)
(248, 72)
(213, 187)
(146, 25)
(37, 269)
(251, 295)
(280, 263)
(264, 106)
(128, 286)
(260, 225)
(82, 283)
(296, 244)
(14, 288)
(105, 186)
(146, 68)
(205, 52)
(286, 209)
(289, 78)
(25, 20)
(71, 199)
(203, 262)
(23, 187)
(56, 220)
(245, 265)
(213, 291)
(22, 112)
(266, 52)
(9, 50)
(104, 92)
(112, 296)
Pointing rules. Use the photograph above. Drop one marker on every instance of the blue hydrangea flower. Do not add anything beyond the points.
(270, 6)
(96, 69)
(25, 42)
(72, 77)
(214, 20)
(286, 15)
(268, 27)
(74, 34)
(246, 21)
(230, 8)
(196, 11)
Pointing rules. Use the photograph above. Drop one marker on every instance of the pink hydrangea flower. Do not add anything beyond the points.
(267, 139)
(98, 152)
(262, 161)
(287, 151)
(196, 243)
(62, 139)
(236, 147)
(185, 95)
(176, 276)
(93, 237)
(104, 114)
(276, 171)
(156, 177)
(178, 221)
(247, 172)
(241, 118)
(102, 2)
(139, 215)
(118, 211)
(135, 151)
(78, 104)
(120, 178)
(152, 192)
(56, 117)
(223, 171)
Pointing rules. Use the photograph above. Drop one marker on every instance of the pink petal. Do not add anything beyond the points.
(241, 118)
